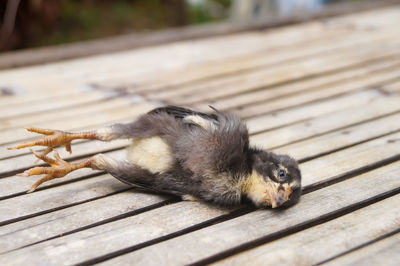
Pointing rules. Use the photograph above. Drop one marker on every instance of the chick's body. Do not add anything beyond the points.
(187, 153)
(179, 151)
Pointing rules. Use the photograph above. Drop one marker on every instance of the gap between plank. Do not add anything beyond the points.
(318, 100)
(108, 220)
(343, 147)
(54, 185)
(338, 129)
(296, 228)
(382, 237)
(293, 80)
(363, 88)
(350, 174)
(327, 84)
(102, 99)
(24, 217)
(216, 220)
(313, 117)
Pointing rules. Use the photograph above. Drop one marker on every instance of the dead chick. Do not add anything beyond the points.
(183, 152)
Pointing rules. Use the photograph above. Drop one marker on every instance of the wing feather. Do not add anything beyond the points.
(183, 113)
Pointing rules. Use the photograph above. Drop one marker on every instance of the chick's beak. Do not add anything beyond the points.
(278, 194)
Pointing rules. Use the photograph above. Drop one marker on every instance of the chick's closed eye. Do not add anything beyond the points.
(282, 175)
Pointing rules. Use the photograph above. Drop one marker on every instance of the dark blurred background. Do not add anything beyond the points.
(34, 23)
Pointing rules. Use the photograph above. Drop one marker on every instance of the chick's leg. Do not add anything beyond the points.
(141, 128)
(55, 138)
(59, 168)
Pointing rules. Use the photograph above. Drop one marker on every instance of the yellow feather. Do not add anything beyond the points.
(152, 154)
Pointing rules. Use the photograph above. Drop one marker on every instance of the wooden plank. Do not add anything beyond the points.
(45, 105)
(341, 138)
(135, 229)
(26, 98)
(60, 222)
(171, 223)
(26, 205)
(319, 82)
(324, 123)
(40, 95)
(59, 114)
(328, 40)
(357, 157)
(311, 110)
(385, 252)
(318, 243)
(372, 80)
(209, 90)
(392, 87)
(217, 238)
(106, 116)
(37, 90)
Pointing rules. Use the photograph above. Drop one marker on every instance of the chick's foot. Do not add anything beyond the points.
(54, 138)
(58, 168)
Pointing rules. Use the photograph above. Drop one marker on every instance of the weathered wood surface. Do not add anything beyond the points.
(329, 239)
(325, 92)
(386, 250)
(260, 224)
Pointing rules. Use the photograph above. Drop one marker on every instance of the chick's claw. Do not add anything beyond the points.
(41, 130)
(59, 168)
(54, 138)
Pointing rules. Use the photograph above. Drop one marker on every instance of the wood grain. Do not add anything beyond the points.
(373, 108)
(58, 223)
(214, 239)
(384, 252)
(236, 102)
(327, 240)
(312, 110)
(48, 200)
(264, 77)
(342, 138)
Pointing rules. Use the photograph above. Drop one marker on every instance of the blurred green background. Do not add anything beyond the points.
(49, 22)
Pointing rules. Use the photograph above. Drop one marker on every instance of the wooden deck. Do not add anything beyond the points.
(326, 92)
